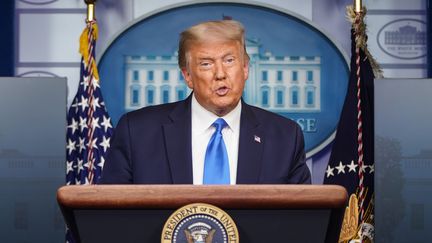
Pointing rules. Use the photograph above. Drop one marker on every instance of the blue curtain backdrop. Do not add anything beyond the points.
(7, 22)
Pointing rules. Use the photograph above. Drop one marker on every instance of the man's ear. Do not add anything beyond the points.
(246, 68)
(187, 77)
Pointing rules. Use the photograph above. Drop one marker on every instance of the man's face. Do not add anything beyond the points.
(217, 72)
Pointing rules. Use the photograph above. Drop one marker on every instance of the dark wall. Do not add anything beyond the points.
(429, 37)
(7, 22)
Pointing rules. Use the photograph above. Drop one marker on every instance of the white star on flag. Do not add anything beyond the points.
(95, 83)
(101, 163)
(81, 145)
(340, 168)
(364, 168)
(352, 166)
(73, 125)
(83, 103)
(105, 143)
(106, 123)
(69, 166)
(70, 146)
(329, 171)
(95, 123)
(80, 165)
(372, 168)
(85, 82)
(88, 164)
(93, 143)
(96, 104)
(83, 124)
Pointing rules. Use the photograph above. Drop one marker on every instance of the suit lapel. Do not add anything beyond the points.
(250, 147)
(178, 143)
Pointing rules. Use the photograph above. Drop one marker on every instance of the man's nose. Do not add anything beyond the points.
(220, 71)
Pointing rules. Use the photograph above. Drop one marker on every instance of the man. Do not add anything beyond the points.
(212, 137)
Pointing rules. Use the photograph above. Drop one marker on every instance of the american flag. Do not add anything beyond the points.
(351, 161)
(89, 128)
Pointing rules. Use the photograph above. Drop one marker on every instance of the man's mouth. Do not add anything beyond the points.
(222, 91)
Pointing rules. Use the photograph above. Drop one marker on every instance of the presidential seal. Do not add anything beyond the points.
(200, 223)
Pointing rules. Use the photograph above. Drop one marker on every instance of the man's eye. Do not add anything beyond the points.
(205, 64)
(229, 60)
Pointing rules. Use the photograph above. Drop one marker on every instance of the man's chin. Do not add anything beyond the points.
(224, 108)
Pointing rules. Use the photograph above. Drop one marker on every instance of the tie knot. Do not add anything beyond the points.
(220, 123)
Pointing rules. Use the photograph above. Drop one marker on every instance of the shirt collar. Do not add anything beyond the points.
(202, 119)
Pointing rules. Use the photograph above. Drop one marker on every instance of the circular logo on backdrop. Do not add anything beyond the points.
(38, 2)
(403, 38)
(199, 223)
(295, 70)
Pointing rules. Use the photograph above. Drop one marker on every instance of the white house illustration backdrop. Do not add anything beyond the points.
(276, 83)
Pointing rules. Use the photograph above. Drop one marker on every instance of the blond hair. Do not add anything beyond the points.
(222, 30)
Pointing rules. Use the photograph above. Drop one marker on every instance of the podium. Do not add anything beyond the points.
(262, 213)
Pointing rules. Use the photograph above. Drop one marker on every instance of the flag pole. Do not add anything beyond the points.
(90, 9)
(87, 45)
(358, 34)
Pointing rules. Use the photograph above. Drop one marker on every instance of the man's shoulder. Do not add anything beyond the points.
(153, 110)
(270, 118)
(154, 113)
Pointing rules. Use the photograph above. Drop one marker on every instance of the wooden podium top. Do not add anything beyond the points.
(174, 196)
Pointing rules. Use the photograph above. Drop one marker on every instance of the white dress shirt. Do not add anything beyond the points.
(202, 130)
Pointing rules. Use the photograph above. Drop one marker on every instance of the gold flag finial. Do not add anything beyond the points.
(358, 6)
(90, 9)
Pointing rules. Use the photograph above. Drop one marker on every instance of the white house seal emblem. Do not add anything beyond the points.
(199, 223)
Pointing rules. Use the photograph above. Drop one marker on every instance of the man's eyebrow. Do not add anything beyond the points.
(204, 57)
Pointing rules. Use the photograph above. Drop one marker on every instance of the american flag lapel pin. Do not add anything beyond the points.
(257, 139)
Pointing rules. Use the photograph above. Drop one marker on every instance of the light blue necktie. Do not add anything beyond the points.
(216, 165)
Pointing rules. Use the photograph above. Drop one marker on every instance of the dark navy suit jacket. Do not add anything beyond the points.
(152, 145)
